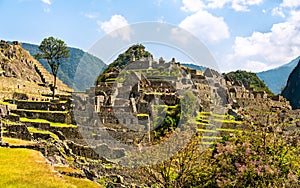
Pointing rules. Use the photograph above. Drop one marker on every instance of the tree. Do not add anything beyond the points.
(53, 50)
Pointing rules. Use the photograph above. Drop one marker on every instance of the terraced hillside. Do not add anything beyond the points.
(20, 73)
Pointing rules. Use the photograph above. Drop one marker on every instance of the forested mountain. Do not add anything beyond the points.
(68, 68)
(249, 80)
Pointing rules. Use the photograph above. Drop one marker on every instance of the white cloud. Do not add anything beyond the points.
(91, 15)
(255, 66)
(192, 5)
(290, 3)
(114, 25)
(237, 5)
(179, 35)
(286, 5)
(276, 47)
(206, 26)
(277, 11)
(47, 2)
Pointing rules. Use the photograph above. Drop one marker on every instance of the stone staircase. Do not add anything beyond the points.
(47, 78)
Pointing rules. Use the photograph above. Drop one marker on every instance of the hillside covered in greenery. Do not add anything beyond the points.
(93, 66)
(138, 51)
(249, 80)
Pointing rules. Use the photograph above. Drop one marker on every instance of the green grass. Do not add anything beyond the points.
(202, 123)
(6, 122)
(52, 124)
(14, 141)
(25, 120)
(173, 107)
(143, 115)
(25, 168)
(81, 182)
(228, 121)
(34, 130)
(66, 169)
(8, 104)
(228, 130)
(110, 79)
(208, 143)
(13, 114)
(43, 111)
(207, 130)
(205, 115)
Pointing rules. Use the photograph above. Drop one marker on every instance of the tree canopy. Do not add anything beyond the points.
(53, 50)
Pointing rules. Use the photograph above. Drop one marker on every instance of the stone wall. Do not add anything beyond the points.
(41, 105)
(19, 131)
(59, 117)
(95, 152)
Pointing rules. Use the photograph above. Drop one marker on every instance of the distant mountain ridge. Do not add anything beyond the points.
(68, 68)
(276, 79)
(193, 66)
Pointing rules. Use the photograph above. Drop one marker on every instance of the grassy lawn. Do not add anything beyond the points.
(84, 183)
(211, 137)
(43, 111)
(6, 122)
(228, 130)
(66, 169)
(14, 141)
(62, 125)
(34, 130)
(207, 130)
(142, 115)
(28, 168)
(52, 124)
(228, 121)
(22, 119)
(8, 104)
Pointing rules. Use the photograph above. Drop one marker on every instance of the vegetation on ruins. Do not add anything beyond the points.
(53, 50)
(264, 154)
(138, 51)
(249, 80)
(176, 144)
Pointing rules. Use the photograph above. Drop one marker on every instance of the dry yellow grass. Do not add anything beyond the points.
(14, 141)
(28, 168)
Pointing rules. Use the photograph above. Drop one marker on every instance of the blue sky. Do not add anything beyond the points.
(253, 35)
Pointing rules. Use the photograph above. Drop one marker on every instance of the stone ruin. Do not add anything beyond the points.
(124, 108)
(121, 102)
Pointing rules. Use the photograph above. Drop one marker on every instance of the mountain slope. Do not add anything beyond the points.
(137, 51)
(21, 73)
(68, 68)
(292, 90)
(249, 80)
(276, 79)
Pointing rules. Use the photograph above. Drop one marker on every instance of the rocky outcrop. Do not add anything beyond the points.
(21, 73)
(292, 89)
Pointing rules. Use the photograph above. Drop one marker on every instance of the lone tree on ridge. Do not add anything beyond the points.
(53, 50)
